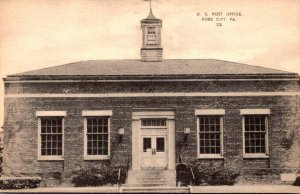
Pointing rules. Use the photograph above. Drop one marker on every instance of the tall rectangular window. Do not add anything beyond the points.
(51, 134)
(151, 36)
(97, 136)
(210, 132)
(255, 134)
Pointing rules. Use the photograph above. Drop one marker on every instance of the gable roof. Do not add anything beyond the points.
(168, 67)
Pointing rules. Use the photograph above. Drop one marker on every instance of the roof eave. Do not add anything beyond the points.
(153, 77)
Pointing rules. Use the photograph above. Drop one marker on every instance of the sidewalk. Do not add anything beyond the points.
(247, 189)
(65, 190)
(194, 189)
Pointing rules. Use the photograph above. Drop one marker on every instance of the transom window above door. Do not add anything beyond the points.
(159, 122)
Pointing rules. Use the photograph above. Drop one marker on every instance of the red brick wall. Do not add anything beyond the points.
(20, 127)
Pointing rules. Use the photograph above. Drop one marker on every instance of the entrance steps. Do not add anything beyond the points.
(151, 178)
(155, 190)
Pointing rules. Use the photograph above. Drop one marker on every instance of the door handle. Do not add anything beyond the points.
(153, 151)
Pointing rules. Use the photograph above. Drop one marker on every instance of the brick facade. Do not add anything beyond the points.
(21, 125)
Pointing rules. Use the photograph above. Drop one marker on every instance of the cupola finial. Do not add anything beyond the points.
(150, 1)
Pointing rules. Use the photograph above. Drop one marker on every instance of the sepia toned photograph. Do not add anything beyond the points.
(149, 96)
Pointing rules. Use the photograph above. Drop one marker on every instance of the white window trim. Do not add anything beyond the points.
(152, 115)
(199, 112)
(99, 113)
(255, 111)
(50, 114)
(211, 156)
(96, 113)
(258, 155)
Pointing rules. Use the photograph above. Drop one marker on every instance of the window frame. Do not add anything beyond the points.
(49, 114)
(210, 112)
(86, 115)
(256, 112)
(153, 126)
(153, 41)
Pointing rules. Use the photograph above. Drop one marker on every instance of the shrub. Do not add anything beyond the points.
(223, 177)
(214, 175)
(98, 177)
(19, 182)
(90, 177)
(183, 175)
(297, 181)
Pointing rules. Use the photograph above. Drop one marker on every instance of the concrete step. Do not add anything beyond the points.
(149, 173)
(152, 178)
(146, 181)
(148, 176)
(145, 185)
(158, 189)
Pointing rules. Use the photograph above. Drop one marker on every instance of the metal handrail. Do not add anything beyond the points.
(193, 175)
(119, 176)
(127, 166)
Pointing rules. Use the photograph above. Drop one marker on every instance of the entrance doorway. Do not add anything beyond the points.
(153, 150)
(153, 140)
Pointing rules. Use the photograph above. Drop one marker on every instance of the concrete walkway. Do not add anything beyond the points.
(194, 189)
(247, 189)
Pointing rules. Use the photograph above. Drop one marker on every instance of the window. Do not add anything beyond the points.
(151, 36)
(210, 132)
(160, 144)
(210, 135)
(153, 122)
(50, 135)
(146, 143)
(97, 134)
(255, 132)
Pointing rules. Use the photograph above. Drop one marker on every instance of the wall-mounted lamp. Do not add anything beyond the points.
(186, 132)
(121, 132)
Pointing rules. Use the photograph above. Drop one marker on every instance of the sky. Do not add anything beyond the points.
(36, 34)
